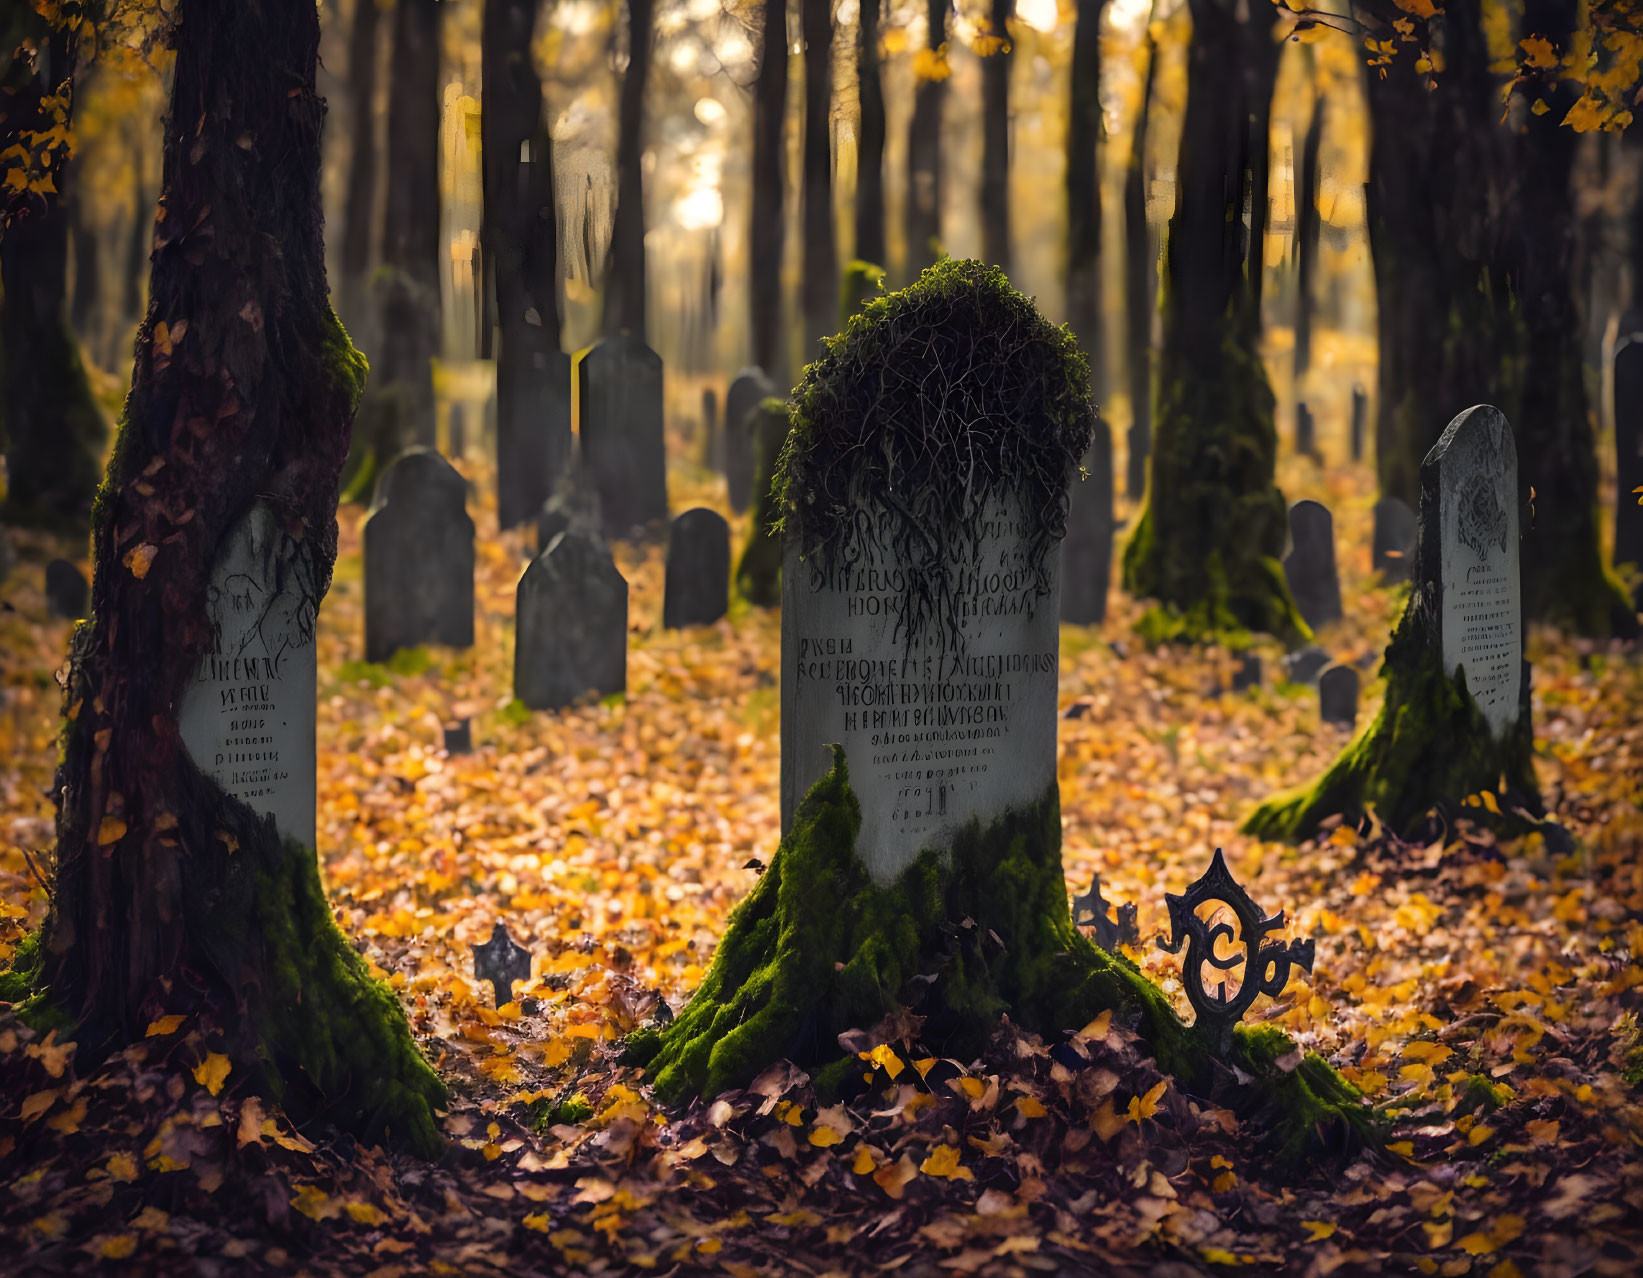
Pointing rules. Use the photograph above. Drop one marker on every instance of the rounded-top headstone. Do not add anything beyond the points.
(1310, 565)
(1392, 547)
(747, 390)
(925, 490)
(571, 624)
(696, 588)
(1338, 695)
(67, 594)
(619, 393)
(419, 557)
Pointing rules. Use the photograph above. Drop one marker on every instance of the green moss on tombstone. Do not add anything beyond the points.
(759, 575)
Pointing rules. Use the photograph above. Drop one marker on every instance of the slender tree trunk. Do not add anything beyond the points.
(1308, 225)
(1084, 193)
(923, 209)
(1261, 54)
(625, 273)
(167, 891)
(521, 253)
(870, 140)
(1140, 289)
(765, 232)
(359, 211)
(821, 267)
(995, 137)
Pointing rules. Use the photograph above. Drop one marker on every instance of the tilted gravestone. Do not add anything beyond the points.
(696, 588)
(573, 505)
(1309, 566)
(570, 625)
(67, 594)
(750, 388)
(619, 388)
(419, 558)
(1338, 695)
(247, 719)
(1360, 421)
(1628, 444)
(1086, 551)
(1392, 545)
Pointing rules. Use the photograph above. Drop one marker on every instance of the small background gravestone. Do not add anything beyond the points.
(419, 558)
(1306, 665)
(67, 594)
(1247, 673)
(1338, 695)
(696, 591)
(571, 624)
(619, 389)
(713, 447)
(1628, 444)
(1392, 549)
(1309, 566)
(1306, 434)
(459, 737)
(747, 391)
(1360, 421)
(1086, 551)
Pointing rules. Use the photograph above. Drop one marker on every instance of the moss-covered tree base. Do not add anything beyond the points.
(818, 948)
(1429, 747)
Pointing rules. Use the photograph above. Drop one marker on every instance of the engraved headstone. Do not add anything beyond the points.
(1086, 551)
(1306, 431)
(1306, 665)
(571, 624)
(1392, 547)
(1360, 421)
(419, 558)
(696, 588)
(747, 390)
(619, 391)
(247, 718)
(67, 594)
(1338, 695)
(532, 407)
(1469, 549)
(1628, 444)
(1309, 566)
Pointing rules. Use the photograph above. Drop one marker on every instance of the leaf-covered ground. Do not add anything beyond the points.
(1486, 992)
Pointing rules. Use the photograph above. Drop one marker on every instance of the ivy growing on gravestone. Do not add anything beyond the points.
(933, 402)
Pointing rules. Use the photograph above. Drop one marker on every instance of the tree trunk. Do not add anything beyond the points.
(1261, 54)
(870, 140)
(360, 209)
(1307, 227)
(1207, 546)
(1140, 290)
(1084, 192)
(995, 137)
(821, 268)
(923, 208)
(85, 304)
(625, 278)
(521, 247)
(168, 891)
(398, 411)
(765, 232)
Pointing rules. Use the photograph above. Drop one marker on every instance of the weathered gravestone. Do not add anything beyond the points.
(619, 388)
(67, 594)
(247, 719)
(1360, 421)
(1628, 444)
(419, 558)
(1309, 566)
(1392, 545)
(1455, 718)
(696, 588)
(1338, 695)
(1306, 431)
(1086, 551)
(573, 505)
(570, 625)
(758, 576)
(749, 389)
(533, 431)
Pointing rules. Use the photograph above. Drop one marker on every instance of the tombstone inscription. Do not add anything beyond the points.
(419, 558)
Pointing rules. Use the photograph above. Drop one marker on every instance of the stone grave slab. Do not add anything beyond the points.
(696, 587)
(419, 558)
(619, 392)
(747, 389)
(1309, 566)
(570, 624)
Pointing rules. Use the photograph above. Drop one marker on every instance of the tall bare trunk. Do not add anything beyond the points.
(995, 137)
(870, 140)
(625, 278)
(1308, 225)
(923, 208)
(821, 267)
(1084, 193)
(1140, 290)
(765, 232)
(360, 210)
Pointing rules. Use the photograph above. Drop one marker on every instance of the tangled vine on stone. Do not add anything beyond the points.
(1266, 967)
(1111, 931)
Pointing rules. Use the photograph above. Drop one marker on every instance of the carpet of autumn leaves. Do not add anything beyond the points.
(1485, 992)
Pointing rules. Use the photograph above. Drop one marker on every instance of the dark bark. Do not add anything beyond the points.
(995, 138)
(765, 233)
(360, 209)
(870, 140)
(167, 891)
(1308, 224)
(85, 302)
(140, 241)
(625, 271)
(521, 243)
(1084, 192)
(1140, 290)
(923, 208)
(821, 266)
(1261, 54)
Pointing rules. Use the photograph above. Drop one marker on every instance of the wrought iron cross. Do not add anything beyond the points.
(1266, 967)
(501, 962)
(1090, 910)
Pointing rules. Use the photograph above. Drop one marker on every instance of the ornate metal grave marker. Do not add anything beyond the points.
(501, 962)
(1266, 967)
(1090, 910)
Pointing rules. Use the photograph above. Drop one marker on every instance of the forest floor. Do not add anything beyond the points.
(1485, 992)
